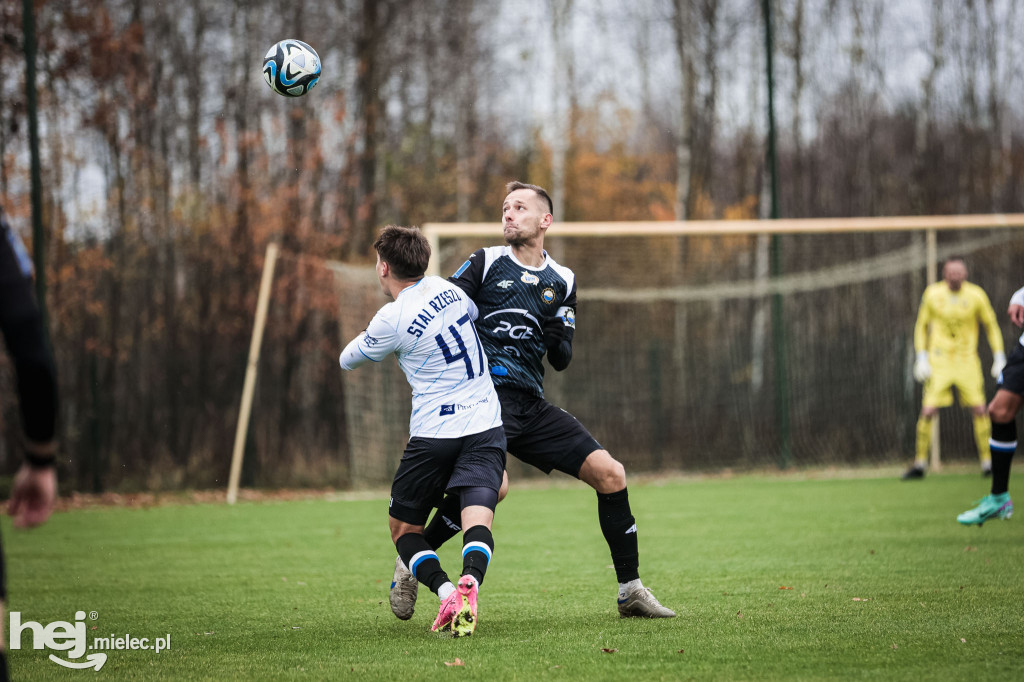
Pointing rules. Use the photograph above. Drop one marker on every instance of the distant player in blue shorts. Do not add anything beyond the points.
(527, 305)
(1003, 411)
(456, 442)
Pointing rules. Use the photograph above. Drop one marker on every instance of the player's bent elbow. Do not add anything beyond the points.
(558, 366)
(559, 360)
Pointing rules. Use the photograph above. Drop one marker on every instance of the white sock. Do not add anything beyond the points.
(445, 591)
(627, 587)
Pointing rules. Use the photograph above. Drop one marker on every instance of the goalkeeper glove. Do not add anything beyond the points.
(922, 368)
(998, 362)
(554, 332)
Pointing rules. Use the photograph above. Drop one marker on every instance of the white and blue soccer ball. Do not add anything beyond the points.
(291, 68)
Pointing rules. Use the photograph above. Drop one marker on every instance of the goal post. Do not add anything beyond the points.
(251, 368)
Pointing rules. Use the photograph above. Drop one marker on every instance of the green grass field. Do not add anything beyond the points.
(882, 583)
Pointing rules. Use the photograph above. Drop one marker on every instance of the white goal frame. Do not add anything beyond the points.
(930, 225)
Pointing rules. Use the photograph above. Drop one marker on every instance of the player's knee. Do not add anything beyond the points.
(611, 475)
(400, 528)
(1000, 413)
(503, 490)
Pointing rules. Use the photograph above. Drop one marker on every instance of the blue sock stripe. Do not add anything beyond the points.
(1002, 446)
(476, 547)
(419, 558)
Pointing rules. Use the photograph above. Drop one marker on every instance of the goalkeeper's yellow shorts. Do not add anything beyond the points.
(965, 374)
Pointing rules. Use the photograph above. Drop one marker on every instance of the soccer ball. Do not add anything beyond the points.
(291, 68)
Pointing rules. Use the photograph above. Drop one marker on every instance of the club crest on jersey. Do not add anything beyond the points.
(530, 278)
(505, 284)
(548, 295)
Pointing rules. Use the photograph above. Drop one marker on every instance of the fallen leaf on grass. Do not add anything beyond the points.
(609, 651)
(681, 651)
(783, 587)
(963, 640)
(970, 548)
(95, 627)
(739, 614)
(457, 661)
(555, 667)
(894, 646)
(864, 599)
(208, 633)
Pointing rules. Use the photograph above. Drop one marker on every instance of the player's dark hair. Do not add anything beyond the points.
(541, 192)
(405, 250)
(953, 259)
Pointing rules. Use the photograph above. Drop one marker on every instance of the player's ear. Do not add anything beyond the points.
(546, 221)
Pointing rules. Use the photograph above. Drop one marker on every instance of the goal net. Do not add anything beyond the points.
(691, 355)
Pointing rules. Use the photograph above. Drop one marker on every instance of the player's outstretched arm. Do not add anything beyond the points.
(352, 357)
(922, 368)
(993, 333)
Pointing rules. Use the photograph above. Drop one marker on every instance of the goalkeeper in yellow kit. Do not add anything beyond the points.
(946, 342)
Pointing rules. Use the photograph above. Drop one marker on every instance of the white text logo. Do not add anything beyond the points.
(71, 637)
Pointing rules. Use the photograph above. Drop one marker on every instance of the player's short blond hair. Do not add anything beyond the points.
(540, 191)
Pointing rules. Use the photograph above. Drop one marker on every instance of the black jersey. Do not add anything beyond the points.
(515, 301)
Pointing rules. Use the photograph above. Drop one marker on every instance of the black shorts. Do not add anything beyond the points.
(1012, 377)
(430, 467)
(543, 435)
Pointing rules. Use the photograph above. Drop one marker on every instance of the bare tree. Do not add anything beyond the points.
(561, 22)
(683, 24)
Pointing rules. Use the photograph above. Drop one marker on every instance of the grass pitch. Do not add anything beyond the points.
(784, 577)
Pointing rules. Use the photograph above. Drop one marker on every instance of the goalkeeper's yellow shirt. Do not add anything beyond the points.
(947, 322)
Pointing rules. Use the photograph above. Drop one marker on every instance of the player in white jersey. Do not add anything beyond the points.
(1003, 410)
(456, 444)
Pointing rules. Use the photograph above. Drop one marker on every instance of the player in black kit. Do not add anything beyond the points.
(527, 306)
(35, 485)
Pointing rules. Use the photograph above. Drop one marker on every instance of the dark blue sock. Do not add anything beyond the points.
(421, 560)
(1002, 444)
(619, 528)
(477, 548)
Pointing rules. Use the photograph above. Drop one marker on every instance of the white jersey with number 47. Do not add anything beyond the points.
(429, 328)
